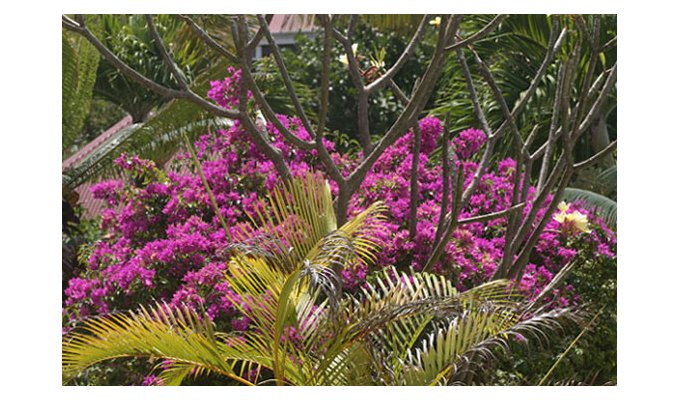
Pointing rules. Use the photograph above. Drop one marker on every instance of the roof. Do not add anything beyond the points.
(291, 23)
(91, 206)
(89, 148)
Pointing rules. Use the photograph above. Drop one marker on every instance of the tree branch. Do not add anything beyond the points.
(415, 162)
(179, 77)
(205, 36)
(405, 55)
(595, 109)
(259, 138)
(446, 180)
(287, 81)
(479, 34)
(414, 107)
(141, 79)
(473, 93)
(597, 157)
(490, 216)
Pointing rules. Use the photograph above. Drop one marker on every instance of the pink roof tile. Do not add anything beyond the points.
(96, 143)
(287, 23)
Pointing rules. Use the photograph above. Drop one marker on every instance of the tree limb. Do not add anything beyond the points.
(141, 79)
(479, 34)
(597, 157)
(405, 55)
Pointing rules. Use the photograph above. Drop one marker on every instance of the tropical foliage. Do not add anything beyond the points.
(304, 330)
(262, 249)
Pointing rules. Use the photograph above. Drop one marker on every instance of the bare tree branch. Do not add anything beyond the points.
(205, 36)
(608, 45)
(414, 107)
(473, 93)
(325, 74)
(488, 28)
(362, 94)
(405, 55)
(597, 157)
(552, 137)
(601, 98)
(260, 139)
(287, 81)
(452, 222)
(490, 216)
(415, 162)
(446, 180)
(141, 79)
(176, 73)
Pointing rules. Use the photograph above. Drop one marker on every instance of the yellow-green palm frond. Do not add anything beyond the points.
(451, 353)
(297, 214)
(176, 334)
(398, 309)
(438, 358)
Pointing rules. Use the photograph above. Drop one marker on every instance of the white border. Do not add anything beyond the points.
(647, 101)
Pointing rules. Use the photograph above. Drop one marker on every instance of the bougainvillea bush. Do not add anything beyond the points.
(163, 241)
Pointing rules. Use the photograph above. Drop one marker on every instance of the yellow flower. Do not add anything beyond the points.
(343, 58)
(563, 206)
(574, 221)
(436, 22)
(580, 220)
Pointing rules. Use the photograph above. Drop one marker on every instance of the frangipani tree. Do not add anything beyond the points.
(554, 160)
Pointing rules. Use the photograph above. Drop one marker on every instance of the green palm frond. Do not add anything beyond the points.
(607, 178)
(603, 206)
(79, 61)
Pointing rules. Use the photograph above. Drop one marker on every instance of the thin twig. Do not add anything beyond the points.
(405, 55)
(199, 168)
(473, 93)
(446, 180)
(552, 137)
(205, 36)
(595, 109)
(490, 216)
(479, 34)
(415, 163)
(452, 223)
(597, 157)
(571, 345)
(179, 77)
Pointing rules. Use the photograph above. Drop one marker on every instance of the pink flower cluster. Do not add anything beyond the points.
(163, 241)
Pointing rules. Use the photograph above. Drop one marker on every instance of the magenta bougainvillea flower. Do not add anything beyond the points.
(164, 242)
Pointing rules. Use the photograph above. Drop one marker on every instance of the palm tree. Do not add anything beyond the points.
(402, 329)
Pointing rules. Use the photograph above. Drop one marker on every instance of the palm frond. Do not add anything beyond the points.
(298, 215)
(608, 178)
(179, 335)
(79, 61)
(451, 354)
